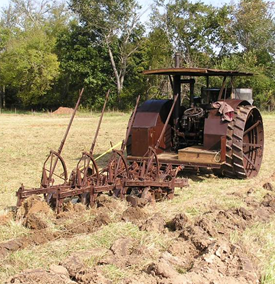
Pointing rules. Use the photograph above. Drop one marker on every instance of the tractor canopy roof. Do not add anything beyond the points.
(196, 72)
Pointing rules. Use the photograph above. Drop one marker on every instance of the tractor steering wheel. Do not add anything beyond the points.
(193, 111)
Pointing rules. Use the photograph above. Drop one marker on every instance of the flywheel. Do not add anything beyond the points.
(244, 143)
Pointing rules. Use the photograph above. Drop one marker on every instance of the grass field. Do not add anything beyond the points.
(26, 141)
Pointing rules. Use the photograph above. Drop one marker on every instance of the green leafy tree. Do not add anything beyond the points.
(82, 63)
(200, 32)
(116, 25)
(254, 28)
(254, 25)
(30, 66)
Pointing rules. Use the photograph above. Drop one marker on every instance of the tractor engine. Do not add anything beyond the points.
(191, 127)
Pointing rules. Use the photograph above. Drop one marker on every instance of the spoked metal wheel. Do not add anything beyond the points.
(54, 172)
(245, 143)
(86, 174)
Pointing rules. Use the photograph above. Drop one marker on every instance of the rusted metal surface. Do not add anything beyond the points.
(245, 143)
(196, 72)
(147, 127)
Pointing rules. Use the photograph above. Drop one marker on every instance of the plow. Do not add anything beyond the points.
(207, 127)
(140, 182)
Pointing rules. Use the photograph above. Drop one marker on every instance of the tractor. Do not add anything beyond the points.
(211, 127)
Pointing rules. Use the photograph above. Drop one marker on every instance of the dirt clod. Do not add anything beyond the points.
(134, 215)
(207, 226)
(107, 202)
(35, 222)
(137, 201)
(244, 213)
(155, 223)
(122, 247)
(33, 204)
(73, 264)
(178, 223)
(91, 276)
(197, 236)
(268, 200)
(58, 269)
(268, 186)
(162, 269)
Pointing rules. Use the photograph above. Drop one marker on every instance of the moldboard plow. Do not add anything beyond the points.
(140, 182)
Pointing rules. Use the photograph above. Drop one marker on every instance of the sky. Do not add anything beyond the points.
(217, 3)
(147, 3)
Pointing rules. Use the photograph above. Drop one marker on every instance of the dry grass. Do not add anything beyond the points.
(25, 143)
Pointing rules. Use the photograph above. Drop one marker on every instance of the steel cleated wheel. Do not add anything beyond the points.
(244, 143)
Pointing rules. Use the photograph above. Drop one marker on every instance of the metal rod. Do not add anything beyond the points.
(166, 122)
(65, 136)
(129, 128)
(251, 127)
(99, 123)
(70, 123)
(86, 167)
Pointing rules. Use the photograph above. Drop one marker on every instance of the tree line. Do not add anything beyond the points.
(49, 50)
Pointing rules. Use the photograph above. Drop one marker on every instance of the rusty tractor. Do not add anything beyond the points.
(212, 127)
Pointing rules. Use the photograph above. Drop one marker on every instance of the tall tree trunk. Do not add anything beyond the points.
(1, 94)
(4, 97)
(119, 89)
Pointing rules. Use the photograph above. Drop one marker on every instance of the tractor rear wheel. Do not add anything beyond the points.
(244, 143)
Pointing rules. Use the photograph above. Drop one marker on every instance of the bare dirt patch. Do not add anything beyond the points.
(64, 110)
(40, 276)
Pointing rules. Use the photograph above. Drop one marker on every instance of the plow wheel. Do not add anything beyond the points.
(87, 174)
(86, 171)
(117, 166)
(151, 167)
(54, 172)
(244, 143)
(117, 171)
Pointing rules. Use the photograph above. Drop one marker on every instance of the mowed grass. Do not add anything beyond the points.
(27, 139)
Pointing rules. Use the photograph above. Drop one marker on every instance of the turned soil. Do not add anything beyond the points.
(199, 250)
